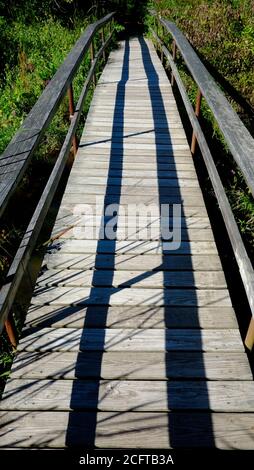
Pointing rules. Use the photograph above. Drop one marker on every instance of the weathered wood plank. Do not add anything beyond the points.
(78, 233)
(130, 247)
(100, 180)
(163, 148)
(159, 153)
(127, 430)
(134, 121)
(136, 221)
(93, 138)
(99, 204)
(133, 366)
(193, 200)
(124, 165)
(115, 339)
(135, 279)
(165, 191)
(134, 317)
(137, 262)
(128, 395)
(125, 158)
(143, 173)
(130, 296)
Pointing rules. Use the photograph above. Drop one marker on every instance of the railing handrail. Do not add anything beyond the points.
(238, 138)
(239, 141)
(60, 83)
(17, 155)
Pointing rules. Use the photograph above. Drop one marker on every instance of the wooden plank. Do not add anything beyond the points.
(137, 152)
(109, 93)
(133, 121)
(131, 247)
(113, 110)
(134, 366)
(134, 173)
(94, 138)
(133, 220)
(136, 221)
(128, 158)
(86, 197)
(98, 204)
(117, 92)
(135, 279)
(99, 163)
(164, 107)
(132, 182)
(79, 233)
(117, 164)
(134, 190)
(116, 339)
(163, 148)
(128, 395)
(136, 317)
(130, 296)
(137, 262)
(53, 429)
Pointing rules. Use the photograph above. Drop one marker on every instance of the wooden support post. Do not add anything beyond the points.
(111, 25)
(197, 112)
(249, 340)
(10, 330)
(103, 41)
(92, 59)
(71, 111)
(162, 55)
(174, 58)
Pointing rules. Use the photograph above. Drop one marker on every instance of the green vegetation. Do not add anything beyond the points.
(222, 33)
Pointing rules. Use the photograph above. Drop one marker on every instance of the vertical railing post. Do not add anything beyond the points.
(249, 340)
(10, 330)
(197, 112)
(71, 112)
(157, 25)
(162, 55)
(174, 49)
(103, 41)
(92, 59)
(111, 25)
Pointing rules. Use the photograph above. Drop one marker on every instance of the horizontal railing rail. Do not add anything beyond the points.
(23, 146)
(237, 137)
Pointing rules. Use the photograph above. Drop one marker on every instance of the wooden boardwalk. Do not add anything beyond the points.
(127, 342)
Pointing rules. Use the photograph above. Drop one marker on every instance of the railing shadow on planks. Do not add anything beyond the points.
(237, 137)
(18, 154)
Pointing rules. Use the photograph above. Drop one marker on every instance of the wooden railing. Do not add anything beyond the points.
(237, 137)
(17, 156)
